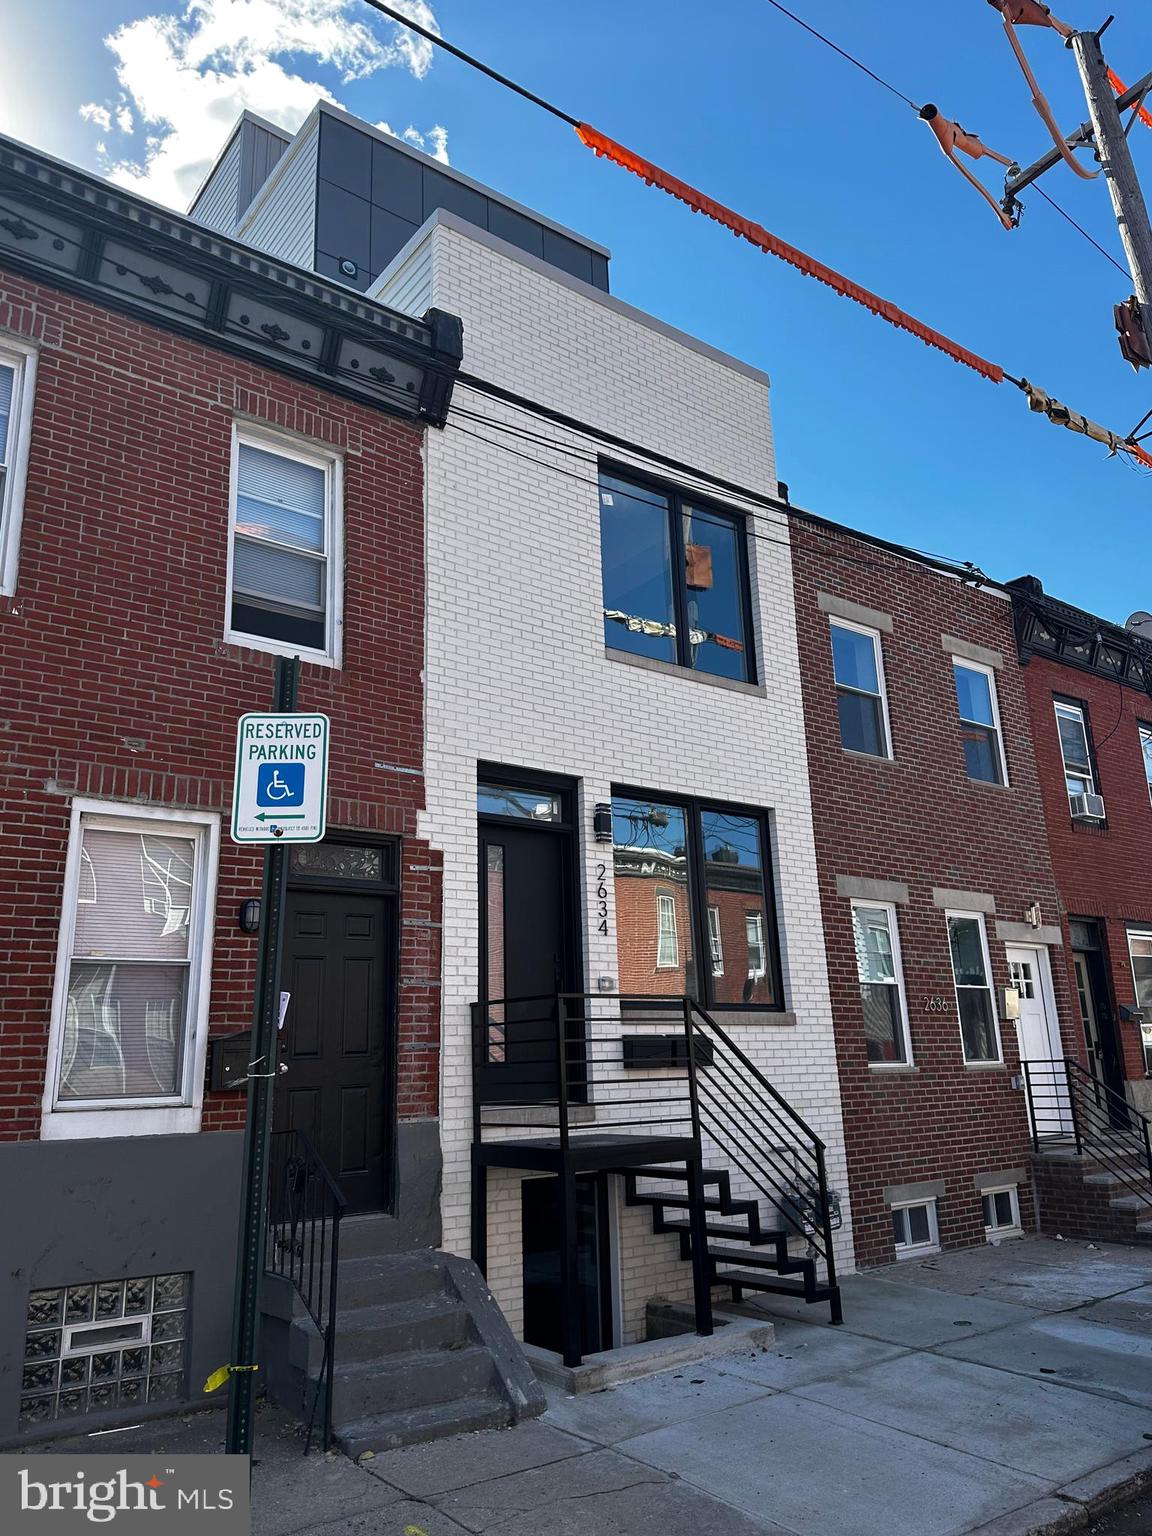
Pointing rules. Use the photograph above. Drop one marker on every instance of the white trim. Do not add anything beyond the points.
(977, 1061)
(1145, 734)
(715, 941)
(1014, 1228)
(666, 903)
(836, 622)
(21, 356)
(148, 1117)
(72, 1341)
(898, 966)
(1038, 954)
(331, 462)
(1089, 776)
(971, 665)
(914, 1250)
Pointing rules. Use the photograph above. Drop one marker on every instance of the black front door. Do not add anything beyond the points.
(1094, 996)
(528, 954)
(337, 949)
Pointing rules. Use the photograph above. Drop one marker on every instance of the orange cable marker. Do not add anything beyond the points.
(1119, 87)
(757, 235)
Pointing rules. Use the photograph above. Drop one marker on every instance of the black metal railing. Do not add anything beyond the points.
(584, 1064)
(302, 1245)
(1068, 1105)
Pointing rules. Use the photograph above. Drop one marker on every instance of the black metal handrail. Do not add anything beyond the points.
(1067, 1103)
(302, 1245)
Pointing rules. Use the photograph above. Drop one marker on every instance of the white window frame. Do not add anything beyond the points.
(666, 903)
(22, 357)
(756, 920)
(1090, 775)
(332, 464)
(990, 988)
(715, 941)
(901, 991)
(1012, 1228)
(878, 652)
(990, 674)
(1145, 731)
(1145, 1041)
(914, 1250)
(66, 1121)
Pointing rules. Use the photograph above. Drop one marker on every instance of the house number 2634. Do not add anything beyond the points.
(936, 1005)
(601, 898)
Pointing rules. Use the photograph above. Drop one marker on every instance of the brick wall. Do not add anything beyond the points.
(115, 680)
(1101, 871)
(920, 821)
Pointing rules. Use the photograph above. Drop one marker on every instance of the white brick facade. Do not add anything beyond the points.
(517, 672)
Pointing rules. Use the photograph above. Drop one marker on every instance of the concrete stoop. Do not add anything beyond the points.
(422, 1351)
(1082, 1196)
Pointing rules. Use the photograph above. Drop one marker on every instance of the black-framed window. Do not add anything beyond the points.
(675, 575)
(694, 879)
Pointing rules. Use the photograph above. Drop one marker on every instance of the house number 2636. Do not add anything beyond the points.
(936, 1005)
(601, 898)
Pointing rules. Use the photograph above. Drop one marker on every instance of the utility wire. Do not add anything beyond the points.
(851, 58)
(1064, 214)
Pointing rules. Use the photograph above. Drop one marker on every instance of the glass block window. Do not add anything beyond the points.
(94, 1347)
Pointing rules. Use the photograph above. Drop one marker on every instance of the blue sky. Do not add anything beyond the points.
(872, 428)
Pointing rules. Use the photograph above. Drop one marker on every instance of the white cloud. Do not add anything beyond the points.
(187, 76)
(434, 142)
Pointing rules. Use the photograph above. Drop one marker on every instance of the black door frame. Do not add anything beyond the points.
(1099, 971)
(567, 789)
(605, 1266)
(388, 886)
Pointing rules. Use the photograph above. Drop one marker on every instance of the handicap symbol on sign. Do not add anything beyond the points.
(280, 785)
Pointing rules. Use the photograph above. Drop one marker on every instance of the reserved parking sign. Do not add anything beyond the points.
(281, 788)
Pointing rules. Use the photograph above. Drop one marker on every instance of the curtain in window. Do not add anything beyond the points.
(879, 984)
(128, 980)
(7, 383)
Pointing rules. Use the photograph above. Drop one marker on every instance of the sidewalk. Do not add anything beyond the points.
(1000, 1390)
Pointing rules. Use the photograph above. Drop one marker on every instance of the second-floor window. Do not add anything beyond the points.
(17, 369)
(860, 701)
(979, 722)
(284, 589)
(675, 578)
(1146, 753)
(1075, 749)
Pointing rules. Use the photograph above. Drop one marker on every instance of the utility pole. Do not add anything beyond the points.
(1116, 162)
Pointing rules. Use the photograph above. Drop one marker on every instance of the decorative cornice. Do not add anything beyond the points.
(1072, 636)
(74, 231)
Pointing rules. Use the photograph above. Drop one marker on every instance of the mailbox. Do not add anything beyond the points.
(1009, 1003)
(228, 1058)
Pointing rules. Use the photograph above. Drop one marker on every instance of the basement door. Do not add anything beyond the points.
(339, 966)
(1039, 1036)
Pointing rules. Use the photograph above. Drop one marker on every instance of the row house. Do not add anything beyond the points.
(1089, 689)
(615, 762)
(946, 954)
(208, 460)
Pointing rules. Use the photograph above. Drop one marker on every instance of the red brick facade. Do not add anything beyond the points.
(1102, 871)
(115, 677)
(919, 821)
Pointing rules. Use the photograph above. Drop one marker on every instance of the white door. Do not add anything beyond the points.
(1040, 1045)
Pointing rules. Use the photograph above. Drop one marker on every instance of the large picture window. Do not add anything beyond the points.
(693, 879)
(675, 580)
(132, 990)
(284, 589)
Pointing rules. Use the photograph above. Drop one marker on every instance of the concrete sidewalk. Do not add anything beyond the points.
(1000, 1390)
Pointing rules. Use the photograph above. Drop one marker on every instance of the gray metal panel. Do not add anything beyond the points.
(261, 152)
(217, 205)
(283, 223)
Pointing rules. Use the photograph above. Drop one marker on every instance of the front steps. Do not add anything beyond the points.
(422, 1350)
(760, 1262)
(1104, 1196)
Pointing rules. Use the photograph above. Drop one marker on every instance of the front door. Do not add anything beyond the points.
(528, 942)
(337, 959)
(1092, 995)
(1040, 1044)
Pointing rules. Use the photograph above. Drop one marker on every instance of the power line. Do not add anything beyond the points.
(851, 58)
(1066, 215)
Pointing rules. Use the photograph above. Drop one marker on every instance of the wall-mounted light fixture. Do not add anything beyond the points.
(1034, 917)
(250, 916)
(602, 823)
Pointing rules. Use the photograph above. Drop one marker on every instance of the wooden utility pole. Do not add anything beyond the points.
(1115, 159)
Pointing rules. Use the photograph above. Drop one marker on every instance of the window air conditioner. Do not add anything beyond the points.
(1087, 807)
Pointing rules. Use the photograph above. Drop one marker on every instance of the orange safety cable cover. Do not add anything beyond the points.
(1119, 87)
(757, 235)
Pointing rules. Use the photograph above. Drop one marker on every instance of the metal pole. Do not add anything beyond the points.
(697, 1214)
(258, 1122)
(1119, 172)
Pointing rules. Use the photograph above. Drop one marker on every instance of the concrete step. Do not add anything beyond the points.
(412, 1426)
(418, 1379)
(369, 1236)
(370, 1281)
(434, 1321)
